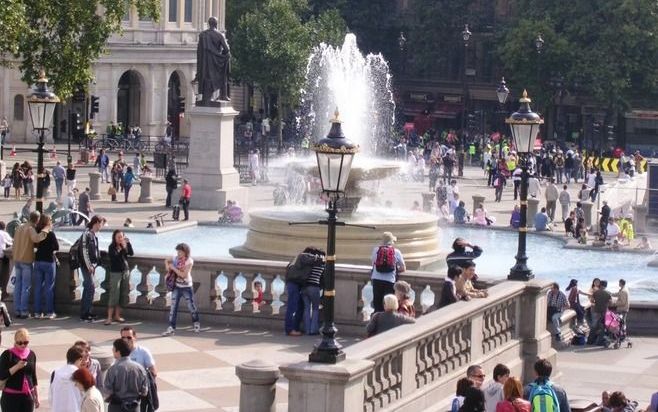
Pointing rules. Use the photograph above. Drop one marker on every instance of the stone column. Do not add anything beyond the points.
(145, 191)
(257, 386)
(318, 387)
(533, 206)
(531, 327)
(587, 208)
(94, 185)
(477, 199)
(639, 218)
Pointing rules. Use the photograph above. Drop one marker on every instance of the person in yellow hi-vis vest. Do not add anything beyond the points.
(627, 231)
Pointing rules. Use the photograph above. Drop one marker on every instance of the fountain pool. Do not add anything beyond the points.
(547, 257)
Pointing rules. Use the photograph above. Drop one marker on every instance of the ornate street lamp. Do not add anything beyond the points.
(334, 155)
(466, 36)
(41, 104)
(502, 92)
(524, 125)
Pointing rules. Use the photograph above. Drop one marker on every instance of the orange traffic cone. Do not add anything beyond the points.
(13, 152)
(53, 153)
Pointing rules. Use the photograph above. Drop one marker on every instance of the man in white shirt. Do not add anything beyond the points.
(63, 395)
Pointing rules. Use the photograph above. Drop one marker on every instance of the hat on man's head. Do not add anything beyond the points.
(388, 237)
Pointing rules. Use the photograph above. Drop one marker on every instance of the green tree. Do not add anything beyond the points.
(272, 43)
(604, 49)
(64, 37)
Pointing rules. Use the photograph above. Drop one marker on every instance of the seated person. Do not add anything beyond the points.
(515, 219)
(258, 294)
(390, 318)
(615, 245)
(26, 210)
(464, 284)
(644, 244)
(541, 221)
(570, 225)
(482, 216)
(461, 214)
(232, 213)
(613, 232)
(128, 222)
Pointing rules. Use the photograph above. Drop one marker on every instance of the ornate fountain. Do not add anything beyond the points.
(361, 87)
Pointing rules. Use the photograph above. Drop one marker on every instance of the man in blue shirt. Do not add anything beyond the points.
(541, 221)
(103, 161)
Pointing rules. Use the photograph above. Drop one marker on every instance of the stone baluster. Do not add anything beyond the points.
(215, 294)
(268, 296)
(248, 294)
(229, 293)
(587, 209)
(161, 288)
(143, 287)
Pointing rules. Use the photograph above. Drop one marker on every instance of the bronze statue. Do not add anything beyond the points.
(212, 66)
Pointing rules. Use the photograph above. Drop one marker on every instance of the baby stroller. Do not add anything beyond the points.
(615, 330)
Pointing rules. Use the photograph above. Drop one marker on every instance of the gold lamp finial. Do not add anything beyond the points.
(524, 98)
(42, 75)
(336, 118)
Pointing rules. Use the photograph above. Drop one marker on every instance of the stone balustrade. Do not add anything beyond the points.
(415, 367)
(223, 291)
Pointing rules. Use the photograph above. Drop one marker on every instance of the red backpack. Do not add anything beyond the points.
(385, 262)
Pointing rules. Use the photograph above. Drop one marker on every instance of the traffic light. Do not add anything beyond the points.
(611, 132)
(472, 123)
(180, 105)
(76, 122)
(596, 128)
(94, 106)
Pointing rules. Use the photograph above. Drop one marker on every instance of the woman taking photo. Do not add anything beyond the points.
(44, 269)
(119, 250)
(92, 399)
(180, 268)
(18, 365)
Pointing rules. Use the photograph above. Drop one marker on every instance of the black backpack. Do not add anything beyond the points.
(74, 254)
(297, 272)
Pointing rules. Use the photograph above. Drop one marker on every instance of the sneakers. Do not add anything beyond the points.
(170, 331)
(197, 327)
(51, 316)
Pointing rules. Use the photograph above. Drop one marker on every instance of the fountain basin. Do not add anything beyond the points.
(271, 237)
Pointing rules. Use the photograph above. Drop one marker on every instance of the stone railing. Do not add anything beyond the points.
(415, 367)
(223, 291)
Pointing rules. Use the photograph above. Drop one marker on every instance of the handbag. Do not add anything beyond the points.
(111, 191)
(170, 280)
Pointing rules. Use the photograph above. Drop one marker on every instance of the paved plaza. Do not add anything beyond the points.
(196, 372)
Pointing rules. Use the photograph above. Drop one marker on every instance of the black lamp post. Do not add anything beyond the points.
(42, 104)
(466, 36)
(334, 155)
(502, 92)
(524, 125)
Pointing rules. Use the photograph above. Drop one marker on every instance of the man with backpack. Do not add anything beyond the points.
(543, 394)
(387, 264)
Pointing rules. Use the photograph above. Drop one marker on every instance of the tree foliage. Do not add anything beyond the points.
(606, 49)
(63, 36)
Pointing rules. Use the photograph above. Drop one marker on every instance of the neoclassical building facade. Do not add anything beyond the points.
(146, 69)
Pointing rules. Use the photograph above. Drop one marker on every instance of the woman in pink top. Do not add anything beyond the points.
(18, 365)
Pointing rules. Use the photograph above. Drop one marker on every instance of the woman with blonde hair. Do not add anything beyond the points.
(513, 397)
(18, 366)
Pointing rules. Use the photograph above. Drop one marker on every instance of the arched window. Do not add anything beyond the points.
(18, 107)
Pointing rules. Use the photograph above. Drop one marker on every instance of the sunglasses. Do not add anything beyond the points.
(22, 342)
(479, 376)
(127, 337)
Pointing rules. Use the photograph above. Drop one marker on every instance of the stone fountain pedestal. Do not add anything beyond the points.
(211, 174)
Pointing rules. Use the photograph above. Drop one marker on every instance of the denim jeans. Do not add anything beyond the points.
(88, 290)
(22, 287)
(59, 183)
(126, 191)
(555, 319)
(44, 282)
(311, 298)
(176, 296)
(294, 307)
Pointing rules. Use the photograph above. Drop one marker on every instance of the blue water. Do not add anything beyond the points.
(546, 256)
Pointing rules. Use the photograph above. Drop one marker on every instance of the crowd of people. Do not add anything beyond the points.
(78, 385)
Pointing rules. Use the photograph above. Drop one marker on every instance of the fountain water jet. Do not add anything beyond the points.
(361, 88)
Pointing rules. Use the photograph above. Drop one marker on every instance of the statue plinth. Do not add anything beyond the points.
(210, 172)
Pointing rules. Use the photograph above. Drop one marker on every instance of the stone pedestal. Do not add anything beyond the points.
(317, 387)
(145, 191)
(477, 199)
(639, 218)
(587, 208)
(533, 206)
(211, 174)
(94, 185)
(3, 169)
(257, 386)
